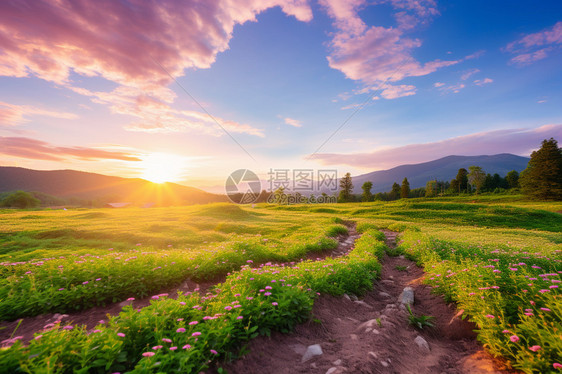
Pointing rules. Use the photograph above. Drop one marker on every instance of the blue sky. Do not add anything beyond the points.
(83, 92)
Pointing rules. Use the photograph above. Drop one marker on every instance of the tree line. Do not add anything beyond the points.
(542, 179)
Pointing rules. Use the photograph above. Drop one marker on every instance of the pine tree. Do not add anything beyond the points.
(346, 188)
(395, 192)
(542, 178)
(405, 189)
(512, 179)
(462, 179)
(367, 195)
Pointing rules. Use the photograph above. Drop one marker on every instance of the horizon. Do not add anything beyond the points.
(331, 84)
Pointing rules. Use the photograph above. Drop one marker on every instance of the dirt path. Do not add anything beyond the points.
(372, 335)
(91, 317)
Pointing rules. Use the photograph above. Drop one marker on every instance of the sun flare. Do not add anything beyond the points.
(163, 167)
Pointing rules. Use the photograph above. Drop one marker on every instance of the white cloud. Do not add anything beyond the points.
(292, 122)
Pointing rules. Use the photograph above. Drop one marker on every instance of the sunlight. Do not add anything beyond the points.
(163, 167)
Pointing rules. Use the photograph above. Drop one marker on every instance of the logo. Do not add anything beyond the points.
(243, 187)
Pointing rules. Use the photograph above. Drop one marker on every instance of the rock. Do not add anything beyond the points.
(370, 324)
(347, 296)
(368, 329)
(401, 257)
(376, 332)
(338, 362)
(407, 296)
(313, 365)
(353, 297)
(373, 354)
(391, 277)
(361, 302)
(336, 370)
(422, 343)
(312, 351)
(384, 294)
(353, 337)
(387, 281)
(384, 363)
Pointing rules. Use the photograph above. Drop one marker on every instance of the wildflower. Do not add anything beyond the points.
(250, 262)
(192, 323)
(96, 331)
(38, 337)
(148, 354)
(228, 307)
(556, 365)
(505, 331)
(214, 352)
(546, 309)
(267, 294)
(490, 316)
(197, 333)
(101, 321)
(156, 347)
(268, 287)
(239, 317)
(187, 346)
(131, 299)
(121, 334)
(179, 319)
(61, 289)
(182, 302)
(181, 329)
(249, 298)
(535, 348)
(514, 338)
(274, 303)
(173, 348)
(166, 340)
(86, 282)
(68, 327)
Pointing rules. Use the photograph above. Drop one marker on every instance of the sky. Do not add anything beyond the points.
(190, 91)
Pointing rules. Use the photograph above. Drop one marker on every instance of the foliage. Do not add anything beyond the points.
(542, 179)
(405, 189)
(462, 179)
(367, 194)
(476, 177)
(512, 179)
(20, 199)
(419, 322)
(346, 186)
(431, 189)
(395, 191)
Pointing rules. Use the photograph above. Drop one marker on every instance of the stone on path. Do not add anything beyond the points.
(384, 294)
(312, 351)
(422, 343)
(360, 302)
(407, 296)
(336, 370)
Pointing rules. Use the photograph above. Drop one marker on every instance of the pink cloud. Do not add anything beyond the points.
(536, 46)
(374, 55)
(467, 74)
(12, 115)
(39, 150)
(484, 81)
(517, 141)
(394, 92)
(120, 41)
(292, 122)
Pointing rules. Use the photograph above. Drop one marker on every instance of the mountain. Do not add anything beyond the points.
(445, 168)
(91, 186)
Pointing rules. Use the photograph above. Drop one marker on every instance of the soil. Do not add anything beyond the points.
(372, 335)
(91, 317)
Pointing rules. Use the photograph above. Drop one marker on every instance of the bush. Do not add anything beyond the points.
(20, 199)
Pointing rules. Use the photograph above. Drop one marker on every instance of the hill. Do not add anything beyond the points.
(90, 186)
(445, 168)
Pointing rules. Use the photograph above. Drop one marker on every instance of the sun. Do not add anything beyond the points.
(163, 167)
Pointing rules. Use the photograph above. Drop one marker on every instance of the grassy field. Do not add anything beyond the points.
(56, 261)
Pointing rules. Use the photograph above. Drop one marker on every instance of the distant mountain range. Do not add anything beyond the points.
(91, 186)
(445, 168)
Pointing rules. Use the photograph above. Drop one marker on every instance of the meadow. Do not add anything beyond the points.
(499, 258)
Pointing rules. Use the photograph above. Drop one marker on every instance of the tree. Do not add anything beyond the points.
(367, 195)
(454, 185)
(476, 177)
(405, 189)
(431, 189)
(395, 191)
(346, 188)
(542, 178)
(20, 199)
(512, 179)
(462, 179)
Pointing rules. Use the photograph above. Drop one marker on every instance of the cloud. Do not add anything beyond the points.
(292, 122)
(517, 141)
(13, 115)
(482, 82)
(467, 74)
(40, 150)
(376, 55)
(536, 46)
(139, 45)
(438, 84)
(455, 88)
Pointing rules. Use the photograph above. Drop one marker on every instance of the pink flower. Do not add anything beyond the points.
(535, 348)
(490, 316)
(173, 348)
(514, 338)
(239, 317)
(181, 329)
(267, 294)
(505, 331)
(556, 365)
(214, 352)
(187, 346)
(196, 333)
(68, 327)
(148, 354)
(166, 340)
(193, 323)
(121, 334)
(38, 337)
(274, 303)
(86, 282)
(546, 309)
(156, 347)
(131, 299)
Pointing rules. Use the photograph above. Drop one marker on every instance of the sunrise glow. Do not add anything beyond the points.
(163, 167)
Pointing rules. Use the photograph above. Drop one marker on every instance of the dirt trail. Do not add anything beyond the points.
(91, 317)
(372, 335)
